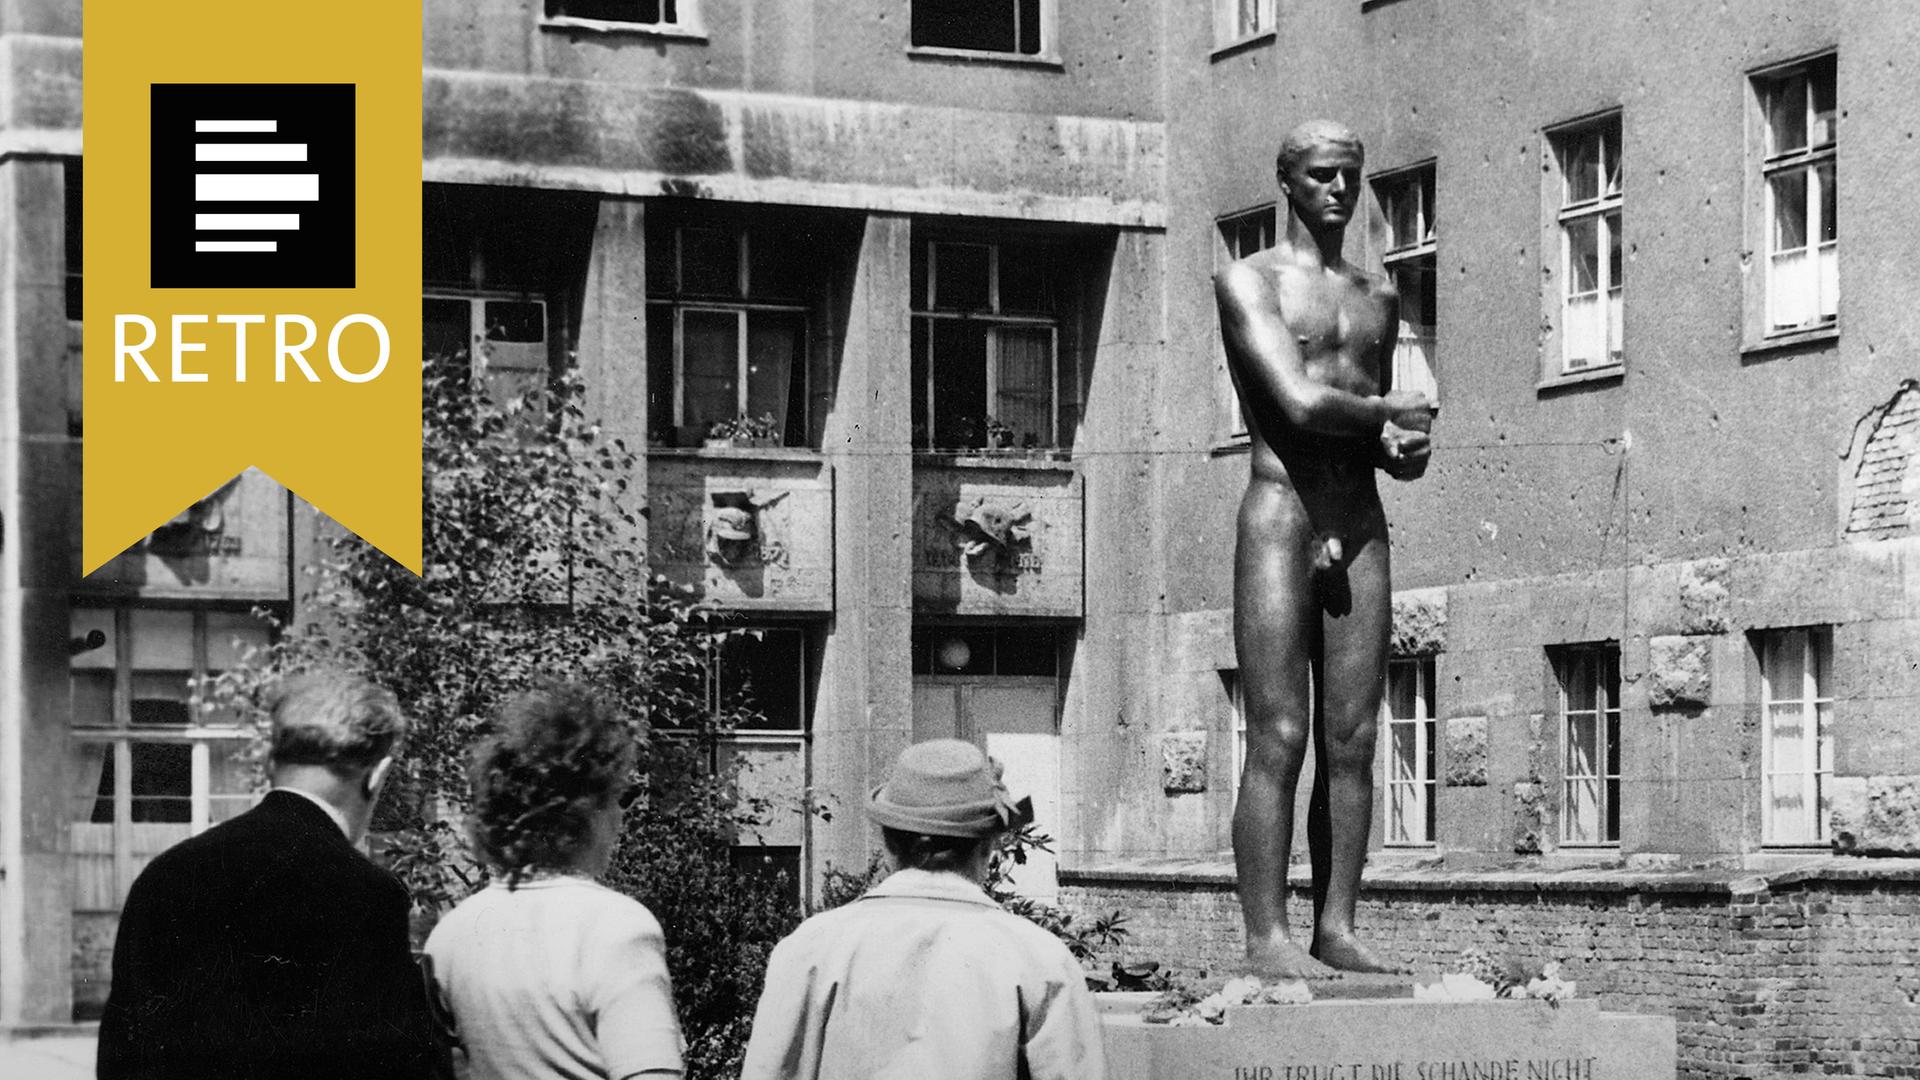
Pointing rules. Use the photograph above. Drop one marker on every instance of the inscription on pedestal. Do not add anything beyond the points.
(1561, 1068)
(1397, 1039)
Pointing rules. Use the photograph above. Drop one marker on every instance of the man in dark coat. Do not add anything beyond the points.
(268, 946)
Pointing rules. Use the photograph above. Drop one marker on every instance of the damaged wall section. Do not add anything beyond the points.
(1884, 459)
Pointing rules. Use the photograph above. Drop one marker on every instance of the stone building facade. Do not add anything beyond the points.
(941, 277)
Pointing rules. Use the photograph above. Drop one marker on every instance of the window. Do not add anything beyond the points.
(1589, 677)
(998, 686)
(1406, 200)
(76, 374)
(1799, 132)
(1237, 715)
(726, 333)
(754, 688)
(1241, 235)
(986, 650)
(505, 336)
(1248, 232)
(656, 14)
(1796, 676)
(74, 198)
(1410, 751)
(1238, 20)
(1018, 27)
(986, 347)
(1588, 182)
(495, 268)
(150, 765)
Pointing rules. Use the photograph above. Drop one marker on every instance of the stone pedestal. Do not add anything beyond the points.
(1393, 1039)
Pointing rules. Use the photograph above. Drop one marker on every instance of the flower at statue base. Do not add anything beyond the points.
(1548, 986)
(1240, 991)
(1212, 1008)
(1480, 964)
(1184, 1006)
(1455, 986)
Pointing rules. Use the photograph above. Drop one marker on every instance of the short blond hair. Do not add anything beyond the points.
(335, 719)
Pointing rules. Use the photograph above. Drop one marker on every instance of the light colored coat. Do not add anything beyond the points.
(558, 977)
(924, 978)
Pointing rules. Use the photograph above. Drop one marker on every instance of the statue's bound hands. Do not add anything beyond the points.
(1405, 443)
(1409, 409)
(1404, 437)
(1404, 452)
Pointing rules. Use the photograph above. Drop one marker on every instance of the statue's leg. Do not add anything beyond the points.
(1356, 620)
(1319, 819)
(1275, 619)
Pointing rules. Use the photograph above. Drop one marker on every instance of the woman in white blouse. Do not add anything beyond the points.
(549, 973)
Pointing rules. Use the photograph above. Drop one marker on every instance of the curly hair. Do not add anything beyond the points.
(557, 755)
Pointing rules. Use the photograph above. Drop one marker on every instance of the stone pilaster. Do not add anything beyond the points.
(38, 515)
(864, 714)
(613, 339)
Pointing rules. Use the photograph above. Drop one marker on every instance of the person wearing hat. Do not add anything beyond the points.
(925, 975)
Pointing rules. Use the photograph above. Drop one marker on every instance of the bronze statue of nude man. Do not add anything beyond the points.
(1310, 342)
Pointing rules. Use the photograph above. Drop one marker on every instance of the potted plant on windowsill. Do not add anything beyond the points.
(999, 435)
(977, 434)
(743, 431)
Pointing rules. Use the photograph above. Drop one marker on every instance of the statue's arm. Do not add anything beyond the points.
(1401, 451)
(1270, 367)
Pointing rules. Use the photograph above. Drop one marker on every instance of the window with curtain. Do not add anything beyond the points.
(150, 765)
(726, 335)
(755, 688)
(1241, 235)
(1798, 176)
(1591, 267)
(1589, 677)
(986, 371)
(1238, 20)
(1406, 198)
(497, 265)
(1411, 807)
(1796, 675)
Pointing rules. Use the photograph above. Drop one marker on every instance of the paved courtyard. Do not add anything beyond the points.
(58, 1057)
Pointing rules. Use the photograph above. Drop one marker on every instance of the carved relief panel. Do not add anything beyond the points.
(745, 533)
(997, 541)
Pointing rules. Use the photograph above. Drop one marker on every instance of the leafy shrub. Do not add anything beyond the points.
(533, 571)
(1088, 939)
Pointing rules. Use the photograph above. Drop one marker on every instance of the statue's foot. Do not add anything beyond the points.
(1281, 959)
(1344, 952)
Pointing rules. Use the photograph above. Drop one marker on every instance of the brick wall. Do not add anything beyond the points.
(1887, 476)
(1809, 971)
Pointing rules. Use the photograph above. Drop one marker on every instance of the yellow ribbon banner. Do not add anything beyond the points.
(252, 253)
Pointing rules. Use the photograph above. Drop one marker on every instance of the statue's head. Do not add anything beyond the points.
(1318, 167)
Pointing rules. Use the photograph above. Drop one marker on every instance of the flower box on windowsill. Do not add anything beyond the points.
(742, 442)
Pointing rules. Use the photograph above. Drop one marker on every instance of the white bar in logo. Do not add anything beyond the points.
(256, 187)
(236, 245)
(246, 221)
(232, 127)
(285, 151)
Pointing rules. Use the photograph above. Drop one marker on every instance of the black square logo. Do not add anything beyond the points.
(253, 186)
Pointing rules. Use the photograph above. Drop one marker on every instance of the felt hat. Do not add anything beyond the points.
(947, 787)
